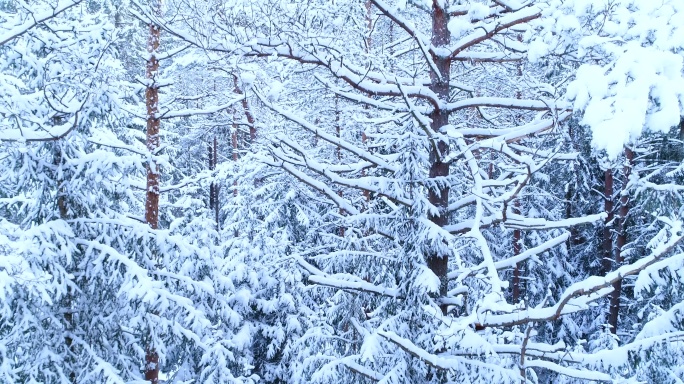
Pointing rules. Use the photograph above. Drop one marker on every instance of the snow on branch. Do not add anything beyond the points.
(521, 222)
(345, 281)
(52, 133)
(502, 102)
(362, 184)
(475, 232)
(628, 78)
(421, 40)
(35, 19)
(512, 261)
(360, 369)
(487, 31)
(361, 79)
(495, 138)
(316, 184)
(455, 361)
(361, 98)
(362, 153)
(488, 57)
(510, 5)
(439, 361)
(579, 294)
(570, 372)
(199, 111)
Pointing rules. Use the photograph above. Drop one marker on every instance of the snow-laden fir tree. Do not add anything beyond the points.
(89, 289)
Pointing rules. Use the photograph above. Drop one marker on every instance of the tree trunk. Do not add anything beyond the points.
(338, 153)
(681, 138)
(248, 112)
(234, 140)
(151, 101)
(250, 123)
(234, 137)
(517, 237)
(608, 208)
(152, 193)
(621, 240)
(68, 314)
(213, 187)
(438, 261)
(571, 187)
(369, 42)
(369, 25)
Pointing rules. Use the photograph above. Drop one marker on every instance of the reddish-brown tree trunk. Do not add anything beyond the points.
(621, 240)
(250, 122)
(607, 255)
(438, 261)
(234, 137)
(153, 123)
(247, 111)
(234, 140)
(517, 237)
(213, 187)
(152, 193)
(338, 129)
(681, 138)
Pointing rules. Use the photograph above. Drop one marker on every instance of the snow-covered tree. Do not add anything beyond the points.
(296, 191)
(89, 291)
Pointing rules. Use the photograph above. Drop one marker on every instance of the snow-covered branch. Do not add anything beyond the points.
(579, 294)
(7, 34)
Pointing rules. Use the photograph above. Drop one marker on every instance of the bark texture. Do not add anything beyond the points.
(517, 238)
(153, 171)
(153, 124)
(607, 255)
(439, 197)
(214, 187)
(621, 240)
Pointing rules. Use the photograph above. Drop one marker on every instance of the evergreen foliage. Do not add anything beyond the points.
(350, 191)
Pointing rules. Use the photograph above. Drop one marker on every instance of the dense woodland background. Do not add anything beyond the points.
(341, 191)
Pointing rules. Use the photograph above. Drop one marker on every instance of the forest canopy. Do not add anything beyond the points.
(341, 191)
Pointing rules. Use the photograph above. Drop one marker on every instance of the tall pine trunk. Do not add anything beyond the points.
(251, 123)
(214, 187)
(439, 196)
(607, 254)
(681, 138)
(152, 193)
(517, 238)
(621, 240)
